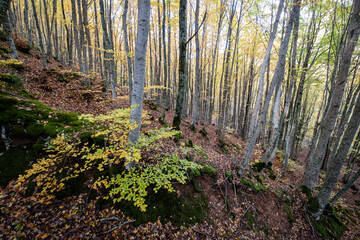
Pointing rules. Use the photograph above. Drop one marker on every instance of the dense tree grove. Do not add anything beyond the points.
(282, 75)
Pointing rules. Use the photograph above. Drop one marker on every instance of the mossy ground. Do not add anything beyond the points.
(183, 211)
(27, 119)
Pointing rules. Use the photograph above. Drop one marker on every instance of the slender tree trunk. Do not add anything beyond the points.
(164, 90)
(139, 70)
(127, 49)
(39, 35)
(197, 67)
(76, 35)
(182, 64)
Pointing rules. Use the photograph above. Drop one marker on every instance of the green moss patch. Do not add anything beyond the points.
(11, 79)
(184, 211)
(223, 147)
(15, 161)
(330, 225)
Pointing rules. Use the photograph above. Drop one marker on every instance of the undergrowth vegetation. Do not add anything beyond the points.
(101, 150)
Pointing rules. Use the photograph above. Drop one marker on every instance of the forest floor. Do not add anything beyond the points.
(237, 209)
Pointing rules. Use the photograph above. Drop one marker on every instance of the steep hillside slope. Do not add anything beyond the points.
(36, 105)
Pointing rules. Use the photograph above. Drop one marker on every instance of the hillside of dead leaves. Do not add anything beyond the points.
(236, 210)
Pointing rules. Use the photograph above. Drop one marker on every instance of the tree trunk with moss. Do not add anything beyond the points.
(139, 71)
(182, 65)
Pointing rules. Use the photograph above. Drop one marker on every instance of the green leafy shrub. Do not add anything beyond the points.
(75, 154)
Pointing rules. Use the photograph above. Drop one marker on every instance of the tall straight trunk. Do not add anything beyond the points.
(310, 39)
(68, 38)
(139, 70)
(197, 67)
(97, 39)
(39, 34)
(26, 20)
(327, 126)
(164, 91)
(108, 55)
(82, 43)
(127, 49)
(76, 35)
(48, 31)
(169, 97)
(87, 33)
(9, 38)
(182, 65)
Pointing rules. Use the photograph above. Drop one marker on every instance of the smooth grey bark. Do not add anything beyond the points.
(39, 35)
(26, 20)
(127, 48)
(76, 35)
(48, 30)
(197, 67)
(164, 91)
(82, 43)
(9, 38)
(336, 164)
(87, 33)
(182, 65)
(68, 38)
(327, 126)
(139, 71)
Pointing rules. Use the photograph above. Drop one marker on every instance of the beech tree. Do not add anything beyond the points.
(139, 71)
(182, 65)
